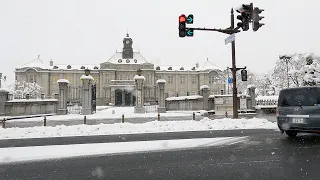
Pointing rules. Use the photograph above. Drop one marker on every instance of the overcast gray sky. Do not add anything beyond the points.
(90, 31)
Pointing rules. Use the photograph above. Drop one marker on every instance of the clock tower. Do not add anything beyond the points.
(127, 51)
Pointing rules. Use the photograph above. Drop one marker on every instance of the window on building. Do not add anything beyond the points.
(213, 79)
(194, 80)
(32, 79)
(182, 79)
(170, 79)
(120, 77)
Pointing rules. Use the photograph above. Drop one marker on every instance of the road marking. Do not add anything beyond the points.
(37, 153)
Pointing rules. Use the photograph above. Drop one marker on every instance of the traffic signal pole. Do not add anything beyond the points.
(234, 73)
(248, 15)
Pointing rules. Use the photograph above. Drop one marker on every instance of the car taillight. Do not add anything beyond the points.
(277, 111)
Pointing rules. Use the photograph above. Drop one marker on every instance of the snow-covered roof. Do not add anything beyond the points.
(75, 66)
(209, 66)
(137, 59)
(36, 63)
(63, 81)
(86, 77)
(4, 90)
(183, 98)
(204, 87)
(176, 68)
(136, 77)
(161, 81)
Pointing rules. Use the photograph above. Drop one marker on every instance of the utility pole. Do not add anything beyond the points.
(287, 60)
(234, 73)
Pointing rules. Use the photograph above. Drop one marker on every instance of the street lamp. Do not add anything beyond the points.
(287, 60)
(4, 78)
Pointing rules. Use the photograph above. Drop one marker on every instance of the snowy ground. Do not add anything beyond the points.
(111, 113)
(129, 128)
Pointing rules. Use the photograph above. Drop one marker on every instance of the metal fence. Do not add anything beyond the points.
(74, 108)
(151, 109)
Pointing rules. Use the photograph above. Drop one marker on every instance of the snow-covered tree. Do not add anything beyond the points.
(311, 71)
(295, 70)
(20, 90)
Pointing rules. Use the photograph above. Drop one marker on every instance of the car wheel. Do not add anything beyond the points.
(292, 133)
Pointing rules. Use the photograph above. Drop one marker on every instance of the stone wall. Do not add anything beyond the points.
(191, 103)
(187, 103)
(19, 107)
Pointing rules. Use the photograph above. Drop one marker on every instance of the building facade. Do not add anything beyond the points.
(114, 78)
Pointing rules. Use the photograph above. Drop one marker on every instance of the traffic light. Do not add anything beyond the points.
(182, 25)
(256, 19)
(189, 32)
(244, 76)
(190, 19)
(245, 16)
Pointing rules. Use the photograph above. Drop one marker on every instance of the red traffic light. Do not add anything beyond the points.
(182, 18)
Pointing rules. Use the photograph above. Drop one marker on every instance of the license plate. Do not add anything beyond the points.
(297, 120)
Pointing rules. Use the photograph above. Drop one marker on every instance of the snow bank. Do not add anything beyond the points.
(129, 128)
(63, 81)
(83, 77)
(136, 77)
(204, 87)
(161, 81)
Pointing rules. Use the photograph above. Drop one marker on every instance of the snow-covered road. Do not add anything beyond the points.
(34, 153)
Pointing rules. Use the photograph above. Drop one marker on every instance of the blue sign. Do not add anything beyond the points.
(229, 80)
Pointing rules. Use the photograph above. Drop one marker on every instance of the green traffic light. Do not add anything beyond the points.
(190, 19)
(189, 32)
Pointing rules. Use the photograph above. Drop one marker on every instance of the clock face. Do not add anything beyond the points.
(127, 41)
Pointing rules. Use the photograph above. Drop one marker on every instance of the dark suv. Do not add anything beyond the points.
(299, 110)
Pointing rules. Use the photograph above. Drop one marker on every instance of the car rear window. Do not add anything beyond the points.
(299, 97)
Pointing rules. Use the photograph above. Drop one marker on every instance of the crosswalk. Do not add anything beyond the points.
(40, 153)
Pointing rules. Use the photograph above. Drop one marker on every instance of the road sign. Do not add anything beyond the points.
(229, 80)
(189, 32)
(229, 39)
(190, 19)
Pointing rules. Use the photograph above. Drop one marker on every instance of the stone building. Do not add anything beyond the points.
(114, 78)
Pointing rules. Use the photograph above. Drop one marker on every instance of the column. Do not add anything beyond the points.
(139, 94)
(63, 93)
(3, 98)
(123, 99)
(86, 94)
(161, 84)
(252, 94)
(205, 91)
